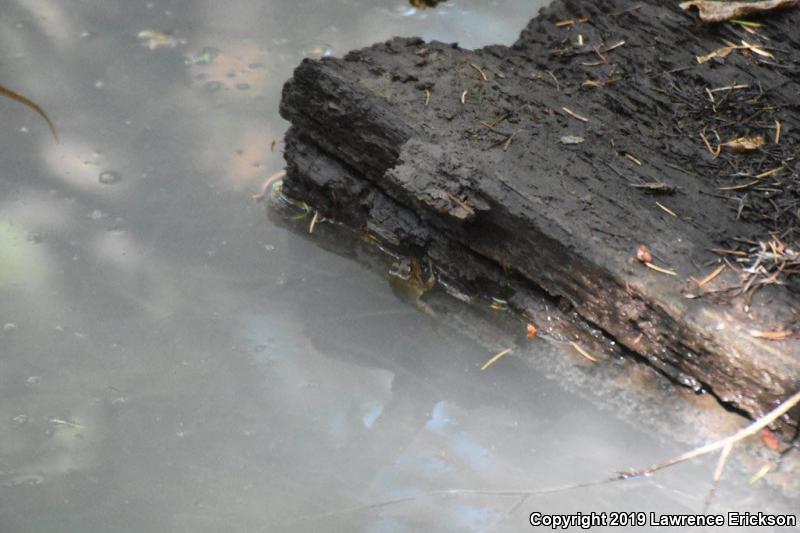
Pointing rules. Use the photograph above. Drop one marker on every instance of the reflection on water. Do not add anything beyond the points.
(173, 361)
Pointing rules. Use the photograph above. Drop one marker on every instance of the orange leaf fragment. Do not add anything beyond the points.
(770, 440)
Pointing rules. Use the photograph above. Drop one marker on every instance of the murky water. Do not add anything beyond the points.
(173, 360)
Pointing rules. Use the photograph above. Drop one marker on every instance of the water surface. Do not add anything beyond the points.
(173, 360)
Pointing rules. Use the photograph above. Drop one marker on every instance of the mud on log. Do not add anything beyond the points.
(554, 159)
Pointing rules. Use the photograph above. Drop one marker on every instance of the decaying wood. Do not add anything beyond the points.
(444, 180)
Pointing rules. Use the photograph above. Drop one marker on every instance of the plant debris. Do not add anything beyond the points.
(726, 445)
(575, 115)
(708, 279)
(744, 144)
(662, 270)
(771, 335)
(570, 22)
(584, 353)
(481, 72)
(666, 210)
(571, 139)
(643, 254)
(770, 440)
(31, 104)
(495, 358)
(718, 11)
(259, 196)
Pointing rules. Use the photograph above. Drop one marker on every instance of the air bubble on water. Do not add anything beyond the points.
(20, 420)
(33, 380)
(99, 84)
(242, 86)
(109, 177)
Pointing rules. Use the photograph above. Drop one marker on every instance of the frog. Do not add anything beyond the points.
(410, 283)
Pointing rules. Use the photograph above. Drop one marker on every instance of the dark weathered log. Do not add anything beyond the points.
(555, 159)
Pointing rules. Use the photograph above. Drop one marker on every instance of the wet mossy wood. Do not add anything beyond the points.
(554, 159)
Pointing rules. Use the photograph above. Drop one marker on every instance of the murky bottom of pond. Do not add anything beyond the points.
(171, 359)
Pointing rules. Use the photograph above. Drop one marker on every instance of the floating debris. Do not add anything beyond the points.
(33, 105)
(206, 56)
(531, 331)
(584, 353)
(313, 222)
(758, 476)
(259, 196)
(68, 423)
(498, 304)
(155, 39)
(494, 359)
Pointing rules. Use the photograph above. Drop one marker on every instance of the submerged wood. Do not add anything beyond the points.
(553, 160)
